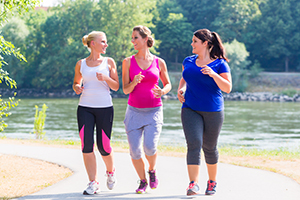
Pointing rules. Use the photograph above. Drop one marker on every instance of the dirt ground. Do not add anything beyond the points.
(22, 176)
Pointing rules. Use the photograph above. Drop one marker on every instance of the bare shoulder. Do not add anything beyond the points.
(126, 61)
(110, 61)
(162, 63)
(78, 64)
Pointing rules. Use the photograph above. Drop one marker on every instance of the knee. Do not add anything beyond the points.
(104, 153)
(150, 150)
(211, 155)
(135, 153)
(196, 143)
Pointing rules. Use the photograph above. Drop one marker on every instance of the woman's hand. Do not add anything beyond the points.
(208, 71)
(101, 77)
(157, 91)
(180, 96)
(138, 78)
(78, 89)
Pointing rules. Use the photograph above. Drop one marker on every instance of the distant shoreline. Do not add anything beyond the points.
(234, 96)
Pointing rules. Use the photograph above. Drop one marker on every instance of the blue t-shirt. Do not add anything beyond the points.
(202, 92)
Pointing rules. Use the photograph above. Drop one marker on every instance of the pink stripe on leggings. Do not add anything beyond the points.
(106, 142)
(81, 135)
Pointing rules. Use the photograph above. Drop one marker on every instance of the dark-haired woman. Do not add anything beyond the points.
(144, 115)
(204, 76)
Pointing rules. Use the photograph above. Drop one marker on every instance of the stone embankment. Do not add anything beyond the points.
(257, 96)
(261, 96)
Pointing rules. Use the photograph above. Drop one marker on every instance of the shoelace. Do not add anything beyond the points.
(211, 186)
(152, 176)
(192, 184)
(142, 184)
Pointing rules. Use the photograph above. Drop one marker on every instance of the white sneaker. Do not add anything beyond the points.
(111, 181)
(93, 188)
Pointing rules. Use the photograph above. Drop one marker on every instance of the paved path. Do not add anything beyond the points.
(234, 183)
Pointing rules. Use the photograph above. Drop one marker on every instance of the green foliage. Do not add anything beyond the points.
(12, 7)
(39, 121)
(51, 40)
(289, 92)
(237, 55)
(8, 8)
(4, 107)
(234, 17)
(173, 30)
(274, 36)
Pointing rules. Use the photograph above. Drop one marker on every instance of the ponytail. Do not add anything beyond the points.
(218, 50)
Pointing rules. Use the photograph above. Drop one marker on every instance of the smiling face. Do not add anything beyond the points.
(99, 44)
(198, 45)
(137, 41)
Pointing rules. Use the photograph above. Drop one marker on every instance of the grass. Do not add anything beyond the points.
(280, 153)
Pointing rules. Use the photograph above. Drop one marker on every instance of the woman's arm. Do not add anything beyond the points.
(223, 80)
(127, 85)
(77, 79)
(181, 89)
(165, 79)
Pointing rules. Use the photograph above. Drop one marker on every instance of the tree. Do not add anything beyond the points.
(175, 35)
(274, 36)
(7, 8)
(117, 21)
(234, 17)
(173, 31)
(238, 56)
(61, 36)
(16, 32)
(202, 13)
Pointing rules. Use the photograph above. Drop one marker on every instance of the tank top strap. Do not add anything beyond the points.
(83, 64)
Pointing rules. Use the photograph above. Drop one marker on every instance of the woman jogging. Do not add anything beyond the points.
(144, 115)
(94, 77)
(204, 76)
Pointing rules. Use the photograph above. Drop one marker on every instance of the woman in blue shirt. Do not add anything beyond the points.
(205, 75)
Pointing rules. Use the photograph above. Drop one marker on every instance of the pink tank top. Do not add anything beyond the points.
(142, 96)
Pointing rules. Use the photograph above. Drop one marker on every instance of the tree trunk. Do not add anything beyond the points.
(286, 64)
(176, 58)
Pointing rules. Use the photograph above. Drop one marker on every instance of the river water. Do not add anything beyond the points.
(266, 125)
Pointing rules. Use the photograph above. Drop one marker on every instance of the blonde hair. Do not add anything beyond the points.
(86, 40)
(145, 32)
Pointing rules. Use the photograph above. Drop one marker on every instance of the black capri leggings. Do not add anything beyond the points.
(87, 118)
(201, 130)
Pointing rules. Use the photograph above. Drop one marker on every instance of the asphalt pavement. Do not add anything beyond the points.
(234, 182)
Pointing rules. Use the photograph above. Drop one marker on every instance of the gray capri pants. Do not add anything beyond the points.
(139, 122)
(201, 130)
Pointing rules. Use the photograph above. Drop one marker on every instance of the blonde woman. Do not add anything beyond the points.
(94, 77)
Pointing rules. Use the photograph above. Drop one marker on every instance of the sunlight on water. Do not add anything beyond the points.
(247, 124)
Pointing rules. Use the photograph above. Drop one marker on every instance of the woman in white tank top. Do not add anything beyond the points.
(94, 77)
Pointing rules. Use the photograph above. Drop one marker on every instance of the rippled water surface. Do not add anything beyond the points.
(252, 124)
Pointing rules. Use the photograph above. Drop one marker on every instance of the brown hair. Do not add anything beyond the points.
(145, 32)
(215, 44)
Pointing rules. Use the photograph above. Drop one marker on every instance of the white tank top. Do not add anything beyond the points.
(95, 94)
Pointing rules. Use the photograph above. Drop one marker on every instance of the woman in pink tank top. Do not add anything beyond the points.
(144, 115)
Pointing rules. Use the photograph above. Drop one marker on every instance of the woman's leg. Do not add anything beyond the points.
(86, 123)
(212, 122)
(104, 122)
(90, 165)
(192, 123)
(139, 166)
